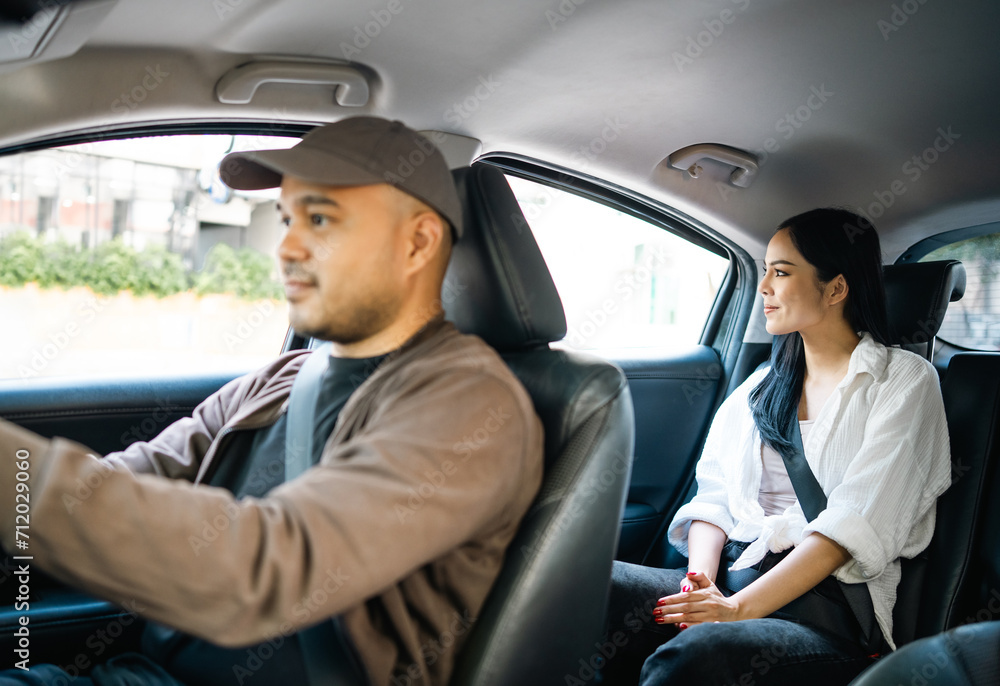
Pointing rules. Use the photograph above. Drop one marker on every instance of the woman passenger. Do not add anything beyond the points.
(873, 429)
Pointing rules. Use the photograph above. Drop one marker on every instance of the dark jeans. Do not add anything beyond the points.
(753, 652)
(128, 669)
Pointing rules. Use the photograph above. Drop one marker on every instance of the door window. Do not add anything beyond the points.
(131, 256)
(624, 282)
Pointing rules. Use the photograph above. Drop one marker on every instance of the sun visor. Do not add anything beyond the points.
(53, 30)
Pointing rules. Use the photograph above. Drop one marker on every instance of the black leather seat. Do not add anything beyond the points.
(918, 295)
(966, 587)
(961, 572)
(917, 298)
(941, 587)
(546, 610)
(961, 557)
(966, 656)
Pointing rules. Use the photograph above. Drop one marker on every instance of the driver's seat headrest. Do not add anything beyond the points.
(498, 286)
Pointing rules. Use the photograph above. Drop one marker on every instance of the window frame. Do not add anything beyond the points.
(155, 129)
(928, 245)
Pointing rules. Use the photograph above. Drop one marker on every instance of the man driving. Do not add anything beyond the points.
(375, 532)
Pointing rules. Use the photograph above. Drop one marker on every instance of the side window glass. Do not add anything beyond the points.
(624, 283)
(974, 321)
(130, 257)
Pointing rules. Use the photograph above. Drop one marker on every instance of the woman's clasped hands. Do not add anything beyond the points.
(700, 601)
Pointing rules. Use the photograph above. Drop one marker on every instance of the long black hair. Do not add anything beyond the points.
(834, 241)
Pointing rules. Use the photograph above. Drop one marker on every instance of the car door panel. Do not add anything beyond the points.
(106, 416)
(674, 398)
(61, 617)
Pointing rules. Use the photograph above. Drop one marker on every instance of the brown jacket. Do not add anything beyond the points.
(401, 528)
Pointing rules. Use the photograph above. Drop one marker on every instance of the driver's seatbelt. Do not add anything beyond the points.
(329, 657)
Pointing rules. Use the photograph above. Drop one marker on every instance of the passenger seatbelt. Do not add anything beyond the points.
(329, 658)
(813, 501)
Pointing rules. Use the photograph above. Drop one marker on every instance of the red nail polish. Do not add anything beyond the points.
(661, 602)
(682, 626)
(691, 573)
(686, 588)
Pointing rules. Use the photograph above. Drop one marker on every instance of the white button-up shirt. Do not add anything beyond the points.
(879, 448)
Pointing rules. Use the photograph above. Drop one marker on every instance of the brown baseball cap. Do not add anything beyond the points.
(357, 151)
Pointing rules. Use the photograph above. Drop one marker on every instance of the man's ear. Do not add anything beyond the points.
(836, 289)
(426, 235)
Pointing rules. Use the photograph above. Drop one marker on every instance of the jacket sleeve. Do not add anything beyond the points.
(177, 451)
(454, 452)
(890, 487)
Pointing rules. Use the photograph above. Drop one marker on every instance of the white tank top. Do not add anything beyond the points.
(776, 491)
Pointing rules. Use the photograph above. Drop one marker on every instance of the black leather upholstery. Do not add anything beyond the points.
(989, 540)
(497, 285)
(546, 610)
(958, 567)
(947, 584)
(966, 656)
(918, 295)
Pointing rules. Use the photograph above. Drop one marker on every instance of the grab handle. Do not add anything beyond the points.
(745, 162)
(238, 85)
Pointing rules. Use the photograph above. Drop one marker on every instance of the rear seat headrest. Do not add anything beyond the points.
(917, 296)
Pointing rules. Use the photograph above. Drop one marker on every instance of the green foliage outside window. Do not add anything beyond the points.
(113, 266)
(245, 272)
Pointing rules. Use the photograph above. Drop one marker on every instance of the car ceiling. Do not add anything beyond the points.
(542, 79)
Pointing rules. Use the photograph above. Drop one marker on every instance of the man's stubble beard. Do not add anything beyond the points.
(357, 322)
